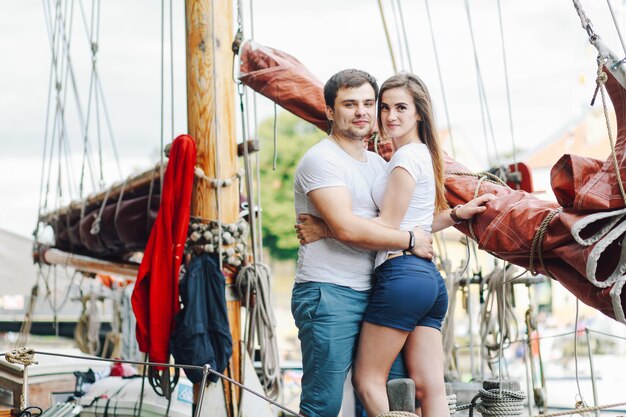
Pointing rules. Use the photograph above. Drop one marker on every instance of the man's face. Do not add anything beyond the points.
(354, 113)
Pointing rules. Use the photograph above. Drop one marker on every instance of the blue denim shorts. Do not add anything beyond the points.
(328, 318)
(409, 292)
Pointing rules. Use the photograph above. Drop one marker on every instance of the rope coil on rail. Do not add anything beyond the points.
(496, 402)
(452, 404)
(21, 356)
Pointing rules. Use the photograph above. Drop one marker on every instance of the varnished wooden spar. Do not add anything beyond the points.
(87, 264)
(211, 122)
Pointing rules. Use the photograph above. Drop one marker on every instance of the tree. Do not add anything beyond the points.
(294, 137)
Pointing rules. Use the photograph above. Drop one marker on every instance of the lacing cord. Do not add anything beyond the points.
(537, 245)
(600, 81)
(254, 286)
(536, 250)
(482, 177)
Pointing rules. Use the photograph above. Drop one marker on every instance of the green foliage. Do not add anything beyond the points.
(294, 137)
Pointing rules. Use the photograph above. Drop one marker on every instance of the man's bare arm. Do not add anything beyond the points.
(334, 205)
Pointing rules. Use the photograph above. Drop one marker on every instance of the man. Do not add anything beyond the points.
(333, 181)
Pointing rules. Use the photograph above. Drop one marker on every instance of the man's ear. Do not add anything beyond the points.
(329, 113)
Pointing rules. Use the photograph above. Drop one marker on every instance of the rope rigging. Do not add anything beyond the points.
(482, 94)
(440, 76)
(59, 18)
(253, 279)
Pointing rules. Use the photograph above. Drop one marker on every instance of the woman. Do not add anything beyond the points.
(409, 300)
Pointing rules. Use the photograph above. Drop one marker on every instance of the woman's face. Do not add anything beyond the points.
(398, 114)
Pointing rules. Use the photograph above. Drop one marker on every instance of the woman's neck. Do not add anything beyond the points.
(411, 137)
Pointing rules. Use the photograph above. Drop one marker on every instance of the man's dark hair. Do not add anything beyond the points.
(349, 78)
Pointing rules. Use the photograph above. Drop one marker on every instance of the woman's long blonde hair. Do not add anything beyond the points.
(426, 128)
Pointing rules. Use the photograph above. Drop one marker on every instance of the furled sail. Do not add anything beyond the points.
(579, 241)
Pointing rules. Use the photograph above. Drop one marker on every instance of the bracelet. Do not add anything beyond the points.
(411, 241)
(456, 219)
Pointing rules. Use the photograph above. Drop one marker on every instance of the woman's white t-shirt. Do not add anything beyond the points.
(415, 159)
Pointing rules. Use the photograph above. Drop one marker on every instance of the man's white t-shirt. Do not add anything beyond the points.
(415, 159)
(328, 260)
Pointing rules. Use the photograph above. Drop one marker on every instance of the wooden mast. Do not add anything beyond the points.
(211, 122)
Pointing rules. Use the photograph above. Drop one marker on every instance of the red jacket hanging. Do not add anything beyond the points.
(155, 297)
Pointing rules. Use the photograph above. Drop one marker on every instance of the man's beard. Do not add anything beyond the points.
(352, 133)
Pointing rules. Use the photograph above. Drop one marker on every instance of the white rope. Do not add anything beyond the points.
(447, 331)
(498, 322)
(404, 35)
(386, 29)
(507, 84)
(484, 105)
(87, 331)
(253, 282)
(440, 76)
(402, 51)
(500, 402)
(584, 20)
(580, 397)
(619, 32)
(162, 97)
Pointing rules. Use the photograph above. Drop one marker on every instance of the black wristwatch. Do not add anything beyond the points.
(411, 241)
(456, 219)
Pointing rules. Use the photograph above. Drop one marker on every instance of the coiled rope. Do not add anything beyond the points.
(499, 328)
(451, 404)
(496, 402)
(25, 357)
(21, 356)
(253, 282)
(87, 331)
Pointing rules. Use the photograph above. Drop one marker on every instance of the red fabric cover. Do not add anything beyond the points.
(583, 187)
(284, 80)
(594, 183)
(155, 296)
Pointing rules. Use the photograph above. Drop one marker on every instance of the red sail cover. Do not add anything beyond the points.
(582, 244)
(284, 80)
(155, 297)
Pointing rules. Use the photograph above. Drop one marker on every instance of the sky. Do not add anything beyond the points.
(551, 71)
